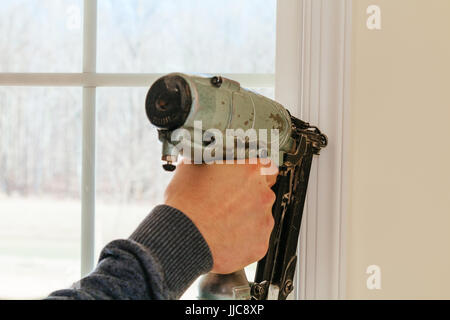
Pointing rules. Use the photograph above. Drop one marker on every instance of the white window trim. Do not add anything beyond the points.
(312, 77)
(249, 80)
(88, 139)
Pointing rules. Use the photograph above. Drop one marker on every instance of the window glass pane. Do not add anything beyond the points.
(199, 36)
(40, 35)
(130, 179)
(40, 132)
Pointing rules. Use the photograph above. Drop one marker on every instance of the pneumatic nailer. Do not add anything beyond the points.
(211, 119)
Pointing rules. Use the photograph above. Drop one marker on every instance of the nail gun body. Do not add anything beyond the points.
(179, 101)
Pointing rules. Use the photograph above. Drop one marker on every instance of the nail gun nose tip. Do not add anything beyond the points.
(168, 102)
(169, 167)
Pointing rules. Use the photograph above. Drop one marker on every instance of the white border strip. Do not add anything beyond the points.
(288, 66)
(312, 77)
(345, 148)
(88, 140)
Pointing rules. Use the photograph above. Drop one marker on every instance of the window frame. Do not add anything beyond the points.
(303, 81)
(313, 77)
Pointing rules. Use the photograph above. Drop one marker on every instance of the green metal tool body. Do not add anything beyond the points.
(218, 103)
(178, 101)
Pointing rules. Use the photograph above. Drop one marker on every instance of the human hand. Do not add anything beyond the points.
(231, 205)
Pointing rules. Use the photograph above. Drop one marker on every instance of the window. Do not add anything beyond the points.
(187, 36)
(40, 36)
(40, 130)
(73, 79)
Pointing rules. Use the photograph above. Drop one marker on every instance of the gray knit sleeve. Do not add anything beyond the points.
(160, 260)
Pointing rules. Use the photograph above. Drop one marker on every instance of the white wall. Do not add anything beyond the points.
(399, 196)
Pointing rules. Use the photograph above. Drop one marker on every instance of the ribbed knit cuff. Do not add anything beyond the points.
(177, 244)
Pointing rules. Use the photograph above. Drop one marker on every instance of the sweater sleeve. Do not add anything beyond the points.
(160, 260)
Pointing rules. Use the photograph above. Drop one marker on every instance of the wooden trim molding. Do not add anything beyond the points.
(312, 79)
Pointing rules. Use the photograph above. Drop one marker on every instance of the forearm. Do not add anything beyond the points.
(161, 259)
